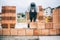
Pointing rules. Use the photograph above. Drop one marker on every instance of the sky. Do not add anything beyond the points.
(22, 5)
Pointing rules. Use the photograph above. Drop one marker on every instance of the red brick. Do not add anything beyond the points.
(21, 31)
(40, 13)
(41, 21)
(6, 14)
(56, 26)
(41, 25)
(40, 18)
(0, 31)
(58, 31)
(59, 25)
(45, 32)
(29, 32)
(49, 25)
(52, 31)
(37, 32)
(6, 31)
(55, 12)
(59, 19)
(13, 31)
(33, 25)
(55, 18)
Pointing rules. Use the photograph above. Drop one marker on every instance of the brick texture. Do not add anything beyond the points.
(13, 31)
(49, 25)
(37, 32)
(55, 18)
(58, 31)
(29, 32)
(56, 26)
(41, 26)
(45, 32)
(21, 32)
(33, 25)
(6, 32)
(52, 31)
(0, 31)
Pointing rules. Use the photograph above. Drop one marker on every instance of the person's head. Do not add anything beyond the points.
(33, 4)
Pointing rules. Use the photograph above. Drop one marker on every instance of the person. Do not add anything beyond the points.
(32, 12)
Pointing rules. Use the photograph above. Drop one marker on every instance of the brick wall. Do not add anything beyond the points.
(30, 32)
(38, 28)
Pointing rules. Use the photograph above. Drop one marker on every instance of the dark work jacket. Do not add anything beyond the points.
(32, 14)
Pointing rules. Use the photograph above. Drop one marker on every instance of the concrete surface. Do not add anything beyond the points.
(49, 37)
(29, 37)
